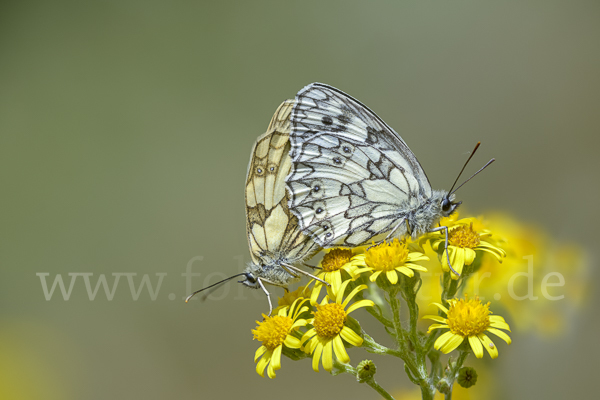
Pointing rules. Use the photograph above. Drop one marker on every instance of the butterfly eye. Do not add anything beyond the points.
(446, 205)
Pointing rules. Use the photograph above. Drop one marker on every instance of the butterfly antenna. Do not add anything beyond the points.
(472, 176)
(464, 166)
(213, 285)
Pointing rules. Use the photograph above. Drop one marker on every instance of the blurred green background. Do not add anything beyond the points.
(125, 133)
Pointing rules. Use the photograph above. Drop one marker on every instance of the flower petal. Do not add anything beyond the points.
(499, 324)
(314, 295)
(406, 271)
(309, 334)
(298, 323)
(260, 366)
(436, 318)
(328, 356)
(469, 256)
(441, 307)
(340, 350)
(374, 276)
(351, 337)
(352, 294)
(416, 256)
(276, 358)
(335, 278)
(359, 304)
(495, 254)
(476, 346)
(442, 340)
(392, 277)
(500, 334)
(259, 352)
(291, 342)
(488, 345)
(436, 326)
(317, 357)
(452, 343)
(416, 267)
(339, 295)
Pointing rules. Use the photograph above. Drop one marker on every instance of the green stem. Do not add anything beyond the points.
(379, 316)
(395, 306)
(340, 368)
(371, 382)
(454, 372)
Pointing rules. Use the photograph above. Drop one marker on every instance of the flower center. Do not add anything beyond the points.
(273, 331)
(387, 256)
(468, 317)
(464, 236)
(336, 259)
(329, 320)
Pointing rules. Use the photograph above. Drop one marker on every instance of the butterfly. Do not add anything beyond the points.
(353, 177)
(275, 239)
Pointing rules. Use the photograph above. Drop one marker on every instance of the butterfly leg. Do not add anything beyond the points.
(262, 286)
(294, 271)
(312, 266)
(445, 229)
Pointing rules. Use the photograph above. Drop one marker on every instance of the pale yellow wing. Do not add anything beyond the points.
(272, 230)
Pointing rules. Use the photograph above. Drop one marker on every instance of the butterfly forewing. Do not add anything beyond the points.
(351, 173)
(272, 230)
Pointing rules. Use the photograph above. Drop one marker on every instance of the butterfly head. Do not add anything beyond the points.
(448, 205)
(251, 274)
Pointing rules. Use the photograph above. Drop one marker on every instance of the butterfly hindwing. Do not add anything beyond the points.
(272, 230)
(351, 172)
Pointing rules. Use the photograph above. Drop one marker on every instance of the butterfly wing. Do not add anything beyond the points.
(272, 230)
(352, 174)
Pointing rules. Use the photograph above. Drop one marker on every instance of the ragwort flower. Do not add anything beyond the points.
(391, 258)
(468, 319)
(463, 241)
(329, 328)
(274, 332)
(333, 265)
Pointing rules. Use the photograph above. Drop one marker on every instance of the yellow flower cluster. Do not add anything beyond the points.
(327, 324)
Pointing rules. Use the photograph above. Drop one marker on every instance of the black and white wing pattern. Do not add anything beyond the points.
(352, 177)
(272, 230)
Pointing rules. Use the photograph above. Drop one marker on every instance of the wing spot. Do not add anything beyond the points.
(259, 171)
(327, 120)
(337, 160)
(346, 149)
(344, 119)
(319, 210)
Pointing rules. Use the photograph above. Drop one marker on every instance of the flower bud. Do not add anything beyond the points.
(467, 377)
(365, 370)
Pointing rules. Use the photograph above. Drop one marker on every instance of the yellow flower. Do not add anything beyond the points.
(329, 328)
(332, 265)
(274, 332)
(468, 319)
(463, 240)
(391, 258)
(289, 298)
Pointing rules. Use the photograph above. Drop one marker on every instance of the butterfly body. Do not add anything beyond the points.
(353, 178)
